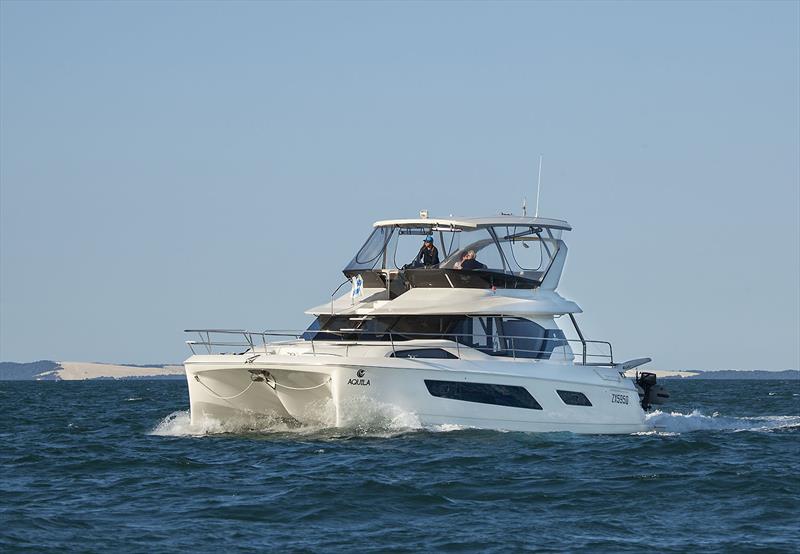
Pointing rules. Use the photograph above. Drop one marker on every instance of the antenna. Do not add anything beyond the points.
(538, 186)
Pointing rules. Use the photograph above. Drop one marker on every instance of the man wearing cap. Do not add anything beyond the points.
(428, 255)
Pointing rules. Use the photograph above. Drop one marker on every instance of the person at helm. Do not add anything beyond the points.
(428, 255)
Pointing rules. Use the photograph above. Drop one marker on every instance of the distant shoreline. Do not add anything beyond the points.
(48, 370)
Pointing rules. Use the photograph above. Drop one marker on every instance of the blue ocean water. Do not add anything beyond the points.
(115, 466)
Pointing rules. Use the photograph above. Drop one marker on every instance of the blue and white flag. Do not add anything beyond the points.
(358, 286)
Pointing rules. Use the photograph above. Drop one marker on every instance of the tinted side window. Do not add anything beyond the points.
(527, 339)
(424, 327)
(424, 353)
(311, 333)
(483, 393)
(573, 398)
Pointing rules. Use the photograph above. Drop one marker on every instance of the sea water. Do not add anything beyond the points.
(115, 466)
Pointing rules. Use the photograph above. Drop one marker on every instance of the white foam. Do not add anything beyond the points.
(446, 428)
(369, 419)
(676, 422)
(367, 414)
(179, 424)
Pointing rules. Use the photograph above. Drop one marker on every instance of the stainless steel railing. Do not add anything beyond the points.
(497, 345)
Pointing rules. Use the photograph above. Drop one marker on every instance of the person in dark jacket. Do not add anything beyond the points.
(428, 255)
(469, 261)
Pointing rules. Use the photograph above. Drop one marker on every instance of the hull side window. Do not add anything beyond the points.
(483, 393)
(574, 398)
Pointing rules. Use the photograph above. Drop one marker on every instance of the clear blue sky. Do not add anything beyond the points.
(174, 165)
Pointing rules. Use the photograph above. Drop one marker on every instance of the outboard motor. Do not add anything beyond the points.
(650, 392)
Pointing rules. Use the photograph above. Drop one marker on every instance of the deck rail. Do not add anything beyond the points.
(592, 352)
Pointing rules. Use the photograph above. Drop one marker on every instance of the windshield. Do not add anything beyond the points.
(522, 250)
(400, 247)
(371, 255)
(527, 248)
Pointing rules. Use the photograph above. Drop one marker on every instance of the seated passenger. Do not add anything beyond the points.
(469, 261)
(464, 257)
(428, 255)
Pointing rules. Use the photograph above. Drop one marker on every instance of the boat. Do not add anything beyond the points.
(417, 331)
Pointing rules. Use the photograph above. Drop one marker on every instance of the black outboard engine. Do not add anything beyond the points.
(650, 392)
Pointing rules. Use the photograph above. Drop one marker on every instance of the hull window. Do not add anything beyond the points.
(573, 398)
(424, 353)
(483, 393)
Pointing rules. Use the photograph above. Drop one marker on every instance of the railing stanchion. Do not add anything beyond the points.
(578, 329)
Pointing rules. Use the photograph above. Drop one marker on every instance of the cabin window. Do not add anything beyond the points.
(492, 335)
(379, 327)
(527, 339)
(424, 327)
(483, 393)
(509, 336)
(424, 353)
(574, 398)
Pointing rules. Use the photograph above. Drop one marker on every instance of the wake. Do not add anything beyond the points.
(387, 422)
(676, 422)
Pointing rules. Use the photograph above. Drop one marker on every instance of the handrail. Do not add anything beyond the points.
(337, 290)
(393, 337)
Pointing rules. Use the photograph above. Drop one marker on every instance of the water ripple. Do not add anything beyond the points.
(119, 466)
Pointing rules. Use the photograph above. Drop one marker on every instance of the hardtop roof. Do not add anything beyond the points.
(475, 222)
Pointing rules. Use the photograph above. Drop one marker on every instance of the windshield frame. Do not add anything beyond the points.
(379, 253)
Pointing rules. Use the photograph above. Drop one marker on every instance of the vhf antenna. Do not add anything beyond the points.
(538, 186)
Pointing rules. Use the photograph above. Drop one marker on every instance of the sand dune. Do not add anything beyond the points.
(76, 371)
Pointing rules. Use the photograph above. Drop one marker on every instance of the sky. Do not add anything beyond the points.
(173, 165)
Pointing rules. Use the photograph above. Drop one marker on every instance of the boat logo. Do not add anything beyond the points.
(360, 381)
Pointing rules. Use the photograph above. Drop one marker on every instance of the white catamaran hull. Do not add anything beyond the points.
(361, 392)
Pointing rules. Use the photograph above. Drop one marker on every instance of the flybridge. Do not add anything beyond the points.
(508, 252)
